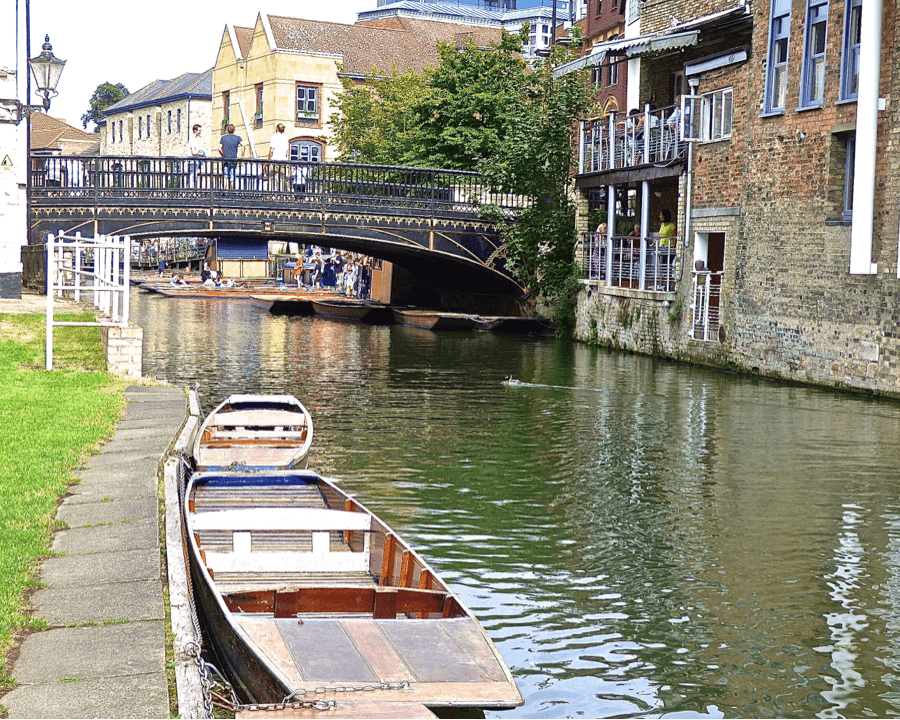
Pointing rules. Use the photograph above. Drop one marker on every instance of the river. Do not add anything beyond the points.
(639, 538)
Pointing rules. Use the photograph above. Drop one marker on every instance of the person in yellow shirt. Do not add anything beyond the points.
(666, 229)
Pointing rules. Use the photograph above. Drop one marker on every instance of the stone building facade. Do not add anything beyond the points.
(288, 70)
(787, 217)
(156, 120)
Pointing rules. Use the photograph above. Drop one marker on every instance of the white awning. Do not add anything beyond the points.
(629, 48)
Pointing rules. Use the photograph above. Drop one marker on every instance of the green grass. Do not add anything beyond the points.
(49, 423)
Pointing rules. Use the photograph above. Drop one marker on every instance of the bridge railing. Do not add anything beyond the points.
(419, 190)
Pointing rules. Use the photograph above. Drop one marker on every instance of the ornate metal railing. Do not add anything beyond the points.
(180, 179)
(640, 263)
(619, 142)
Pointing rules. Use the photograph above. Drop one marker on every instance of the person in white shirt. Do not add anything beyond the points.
(195, 147)
(278, 150)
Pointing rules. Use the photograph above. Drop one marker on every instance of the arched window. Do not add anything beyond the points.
(306, 151)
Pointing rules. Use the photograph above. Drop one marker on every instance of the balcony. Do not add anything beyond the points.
(641, 263)
(619, 142)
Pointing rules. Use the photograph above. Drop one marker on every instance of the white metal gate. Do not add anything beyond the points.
(100, 266)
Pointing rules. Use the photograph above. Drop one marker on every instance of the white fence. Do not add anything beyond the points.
(100, 266)
(706, 311)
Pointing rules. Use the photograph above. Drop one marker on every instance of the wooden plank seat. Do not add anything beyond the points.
(245, 555)
(377, 602)
(222, 498)
(258, 418)
(229, 582)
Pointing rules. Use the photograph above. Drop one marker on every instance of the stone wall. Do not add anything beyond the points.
(123, 347)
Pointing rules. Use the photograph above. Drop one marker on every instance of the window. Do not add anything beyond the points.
(613, 73)
(850, 55)
(258, 116)
(140, 128)
(599, 7)
(226, 107)
(307, 103)
(596, 75)
(121, 137)
(170, 122)
(847, 211)
(112, 132)
(306, 151)
(178, 120)
(148, 127)
(715, 115)
(813, 81)
(776, 66)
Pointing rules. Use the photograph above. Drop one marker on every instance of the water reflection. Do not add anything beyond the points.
(639, 538)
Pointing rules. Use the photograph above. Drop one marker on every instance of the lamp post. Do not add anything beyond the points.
(46, 68)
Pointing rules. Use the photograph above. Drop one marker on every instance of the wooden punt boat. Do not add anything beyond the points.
(303, 590)
(433, 319)
(256, 432)
(347, 309)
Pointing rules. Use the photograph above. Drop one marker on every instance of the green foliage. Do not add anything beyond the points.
(376, 123)
(49, 421)
(484, 109)
(105, 95)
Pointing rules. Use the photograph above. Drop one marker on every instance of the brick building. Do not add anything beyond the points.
(787, 219)
(156, 120)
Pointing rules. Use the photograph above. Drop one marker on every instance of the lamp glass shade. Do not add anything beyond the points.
(47, 68)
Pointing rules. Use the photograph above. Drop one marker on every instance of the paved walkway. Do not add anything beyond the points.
(103, 654)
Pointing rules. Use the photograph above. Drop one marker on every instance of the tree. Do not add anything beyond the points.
(376, 123)
(105, 95)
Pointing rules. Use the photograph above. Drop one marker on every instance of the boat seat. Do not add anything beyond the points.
(319, 523)
(258, 418)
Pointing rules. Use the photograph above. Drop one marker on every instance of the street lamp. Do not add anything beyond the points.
(47, 68)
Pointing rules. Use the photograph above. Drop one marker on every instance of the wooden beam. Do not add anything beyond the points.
(290, 603)
(406, 569)
(387, 562)
(385, 604)
(251, 601)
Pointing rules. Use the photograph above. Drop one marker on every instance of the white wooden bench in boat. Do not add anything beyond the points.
(319, 522)
(258, 418)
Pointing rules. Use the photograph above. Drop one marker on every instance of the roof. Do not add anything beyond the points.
(48, 132)
(363, 48)
(194, 85)
(244, 35)
(629, 48)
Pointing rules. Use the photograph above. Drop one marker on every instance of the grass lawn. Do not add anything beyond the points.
(49, 422)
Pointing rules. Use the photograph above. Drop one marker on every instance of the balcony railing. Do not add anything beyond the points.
(640, 263)
(617, 142)
(707, 293)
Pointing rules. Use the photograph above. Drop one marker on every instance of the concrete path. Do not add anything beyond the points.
(103, 655)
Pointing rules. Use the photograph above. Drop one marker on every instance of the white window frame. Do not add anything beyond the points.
(309, 102)
(780, 15)
(718, 102)
(812, 80)
(297, 154)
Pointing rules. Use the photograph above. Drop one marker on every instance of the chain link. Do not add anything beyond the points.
(403, 684)
(192, 650)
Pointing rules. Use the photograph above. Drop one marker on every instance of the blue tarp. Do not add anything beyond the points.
(242, 249)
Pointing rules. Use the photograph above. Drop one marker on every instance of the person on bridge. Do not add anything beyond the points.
(278, 150)
(195, 147)
(228, 148)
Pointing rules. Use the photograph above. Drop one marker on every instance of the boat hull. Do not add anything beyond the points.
(362, 610)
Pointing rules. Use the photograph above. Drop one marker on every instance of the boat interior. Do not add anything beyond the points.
(330, 594)
(265, 437)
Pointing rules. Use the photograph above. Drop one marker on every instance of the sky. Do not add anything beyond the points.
(135, 43)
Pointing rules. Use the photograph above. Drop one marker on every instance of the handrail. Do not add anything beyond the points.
(111, 177)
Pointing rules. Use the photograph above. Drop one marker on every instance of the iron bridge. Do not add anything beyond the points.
(435, 223)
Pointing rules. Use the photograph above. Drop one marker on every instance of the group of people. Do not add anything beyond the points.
(665, 134)
(349, 274)
(660, 250)
(278, 176)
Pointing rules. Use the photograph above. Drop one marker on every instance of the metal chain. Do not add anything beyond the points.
(192, 650)
(403, 684)
(328, 704)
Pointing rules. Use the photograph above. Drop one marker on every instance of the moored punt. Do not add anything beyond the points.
(255, 432)
(514, 325)
(199, 290)
(348, 309)
(433, 319)
(306, 594)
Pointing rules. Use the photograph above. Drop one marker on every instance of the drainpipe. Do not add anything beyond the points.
(694, 83)
(610, 229)
(866, 141)
(645, 227)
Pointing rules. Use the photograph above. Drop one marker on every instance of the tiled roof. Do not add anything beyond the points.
(366, 47)
(198, 85)
(47, 132)
(244, 35)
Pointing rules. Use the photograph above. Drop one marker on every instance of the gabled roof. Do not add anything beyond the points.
(194, 85)
(363, 48)
(47, 132)
(244, 35)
